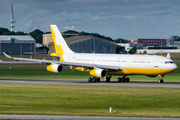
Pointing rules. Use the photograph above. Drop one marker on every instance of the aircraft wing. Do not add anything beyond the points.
(109, 67)
(26, 59)
(75, 64)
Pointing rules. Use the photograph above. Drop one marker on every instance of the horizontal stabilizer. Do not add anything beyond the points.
(55, 55)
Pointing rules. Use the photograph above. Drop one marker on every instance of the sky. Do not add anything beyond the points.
(113, 18)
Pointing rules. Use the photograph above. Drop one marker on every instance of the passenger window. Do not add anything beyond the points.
(171, 62)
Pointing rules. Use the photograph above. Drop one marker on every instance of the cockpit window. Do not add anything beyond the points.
(169, 62)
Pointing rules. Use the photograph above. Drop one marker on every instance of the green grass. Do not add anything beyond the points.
(38, 71)
(89, 101)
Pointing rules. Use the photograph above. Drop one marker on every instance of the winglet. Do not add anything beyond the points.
(168, 55)
(7, 55)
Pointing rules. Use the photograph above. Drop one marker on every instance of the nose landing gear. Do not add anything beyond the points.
(107, 78)
(161, 79)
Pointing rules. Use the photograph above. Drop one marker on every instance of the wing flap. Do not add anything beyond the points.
(111, 67)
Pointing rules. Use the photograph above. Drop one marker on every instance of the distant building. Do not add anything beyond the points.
(177, 44)
(41, 50)
(174, 41)
(85, 44)
(47, 38)
(149, 42)
(120, 50)
(90, 44)
(128, 46)
(17, 44)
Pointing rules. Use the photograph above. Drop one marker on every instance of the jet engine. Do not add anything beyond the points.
(98, 72)
(56, 68)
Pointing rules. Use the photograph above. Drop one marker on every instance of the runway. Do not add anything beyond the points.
(85, 83)
(50, 117)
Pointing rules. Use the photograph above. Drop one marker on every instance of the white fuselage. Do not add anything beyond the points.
(134, 64)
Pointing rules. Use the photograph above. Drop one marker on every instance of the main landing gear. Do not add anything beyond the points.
(94, 79)
(123, 79)
(161, 79)
(108, 79)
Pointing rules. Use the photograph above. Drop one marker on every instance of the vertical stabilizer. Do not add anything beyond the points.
(59, 43)
(168, 55)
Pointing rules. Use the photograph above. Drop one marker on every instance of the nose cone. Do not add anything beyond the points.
(170, 68)
(174, 66)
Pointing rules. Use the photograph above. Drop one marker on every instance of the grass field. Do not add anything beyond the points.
(89, 101)
(38, 71)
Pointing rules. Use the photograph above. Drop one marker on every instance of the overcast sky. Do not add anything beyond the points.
(114, 18)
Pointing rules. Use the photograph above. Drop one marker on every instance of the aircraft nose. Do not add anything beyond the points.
(173, 66)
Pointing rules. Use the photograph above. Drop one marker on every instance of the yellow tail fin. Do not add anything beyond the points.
(59, 43)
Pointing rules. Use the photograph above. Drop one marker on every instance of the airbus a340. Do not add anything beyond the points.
(104, 65)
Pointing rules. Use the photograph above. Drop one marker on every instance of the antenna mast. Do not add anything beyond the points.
(12, 16)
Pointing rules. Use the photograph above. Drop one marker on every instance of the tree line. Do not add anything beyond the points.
(119, 40)
(38, 34)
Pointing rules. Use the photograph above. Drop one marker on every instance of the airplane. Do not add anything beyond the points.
(104, 65)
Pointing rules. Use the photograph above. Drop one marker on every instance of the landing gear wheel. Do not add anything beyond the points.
(160, 81)
(127, 79)
(98, 79)
(119, 79)
(123, 79)
(89, 79)
(107, 79)
(94, 80)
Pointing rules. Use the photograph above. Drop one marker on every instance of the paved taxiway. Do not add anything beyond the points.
(85, 83)
(49, 117)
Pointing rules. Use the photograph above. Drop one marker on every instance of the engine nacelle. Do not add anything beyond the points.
(56, 68)
(98, 72)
